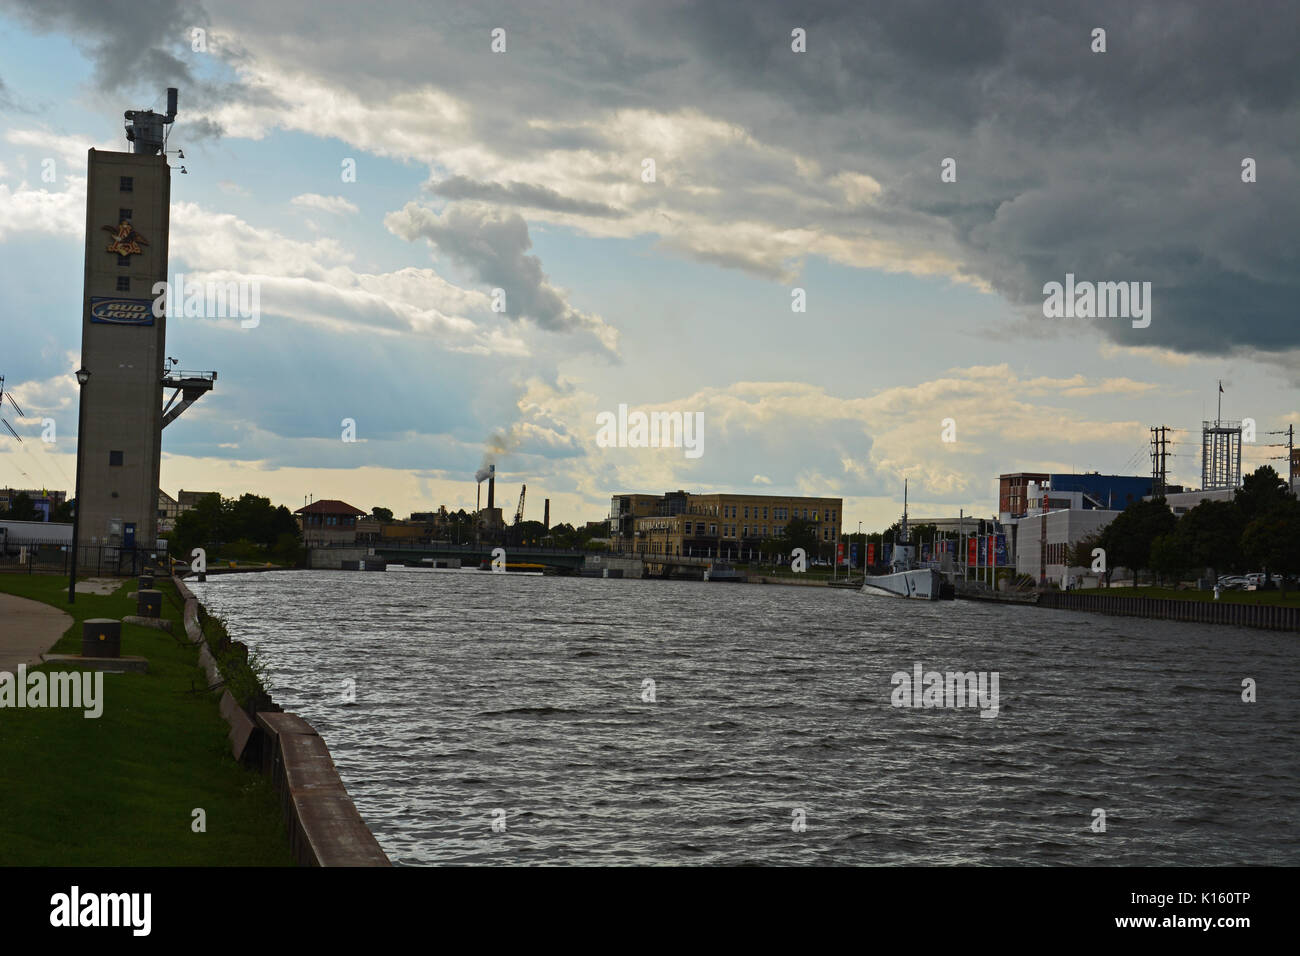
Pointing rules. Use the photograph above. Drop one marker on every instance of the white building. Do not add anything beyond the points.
(1181, 502)
(1041, 540)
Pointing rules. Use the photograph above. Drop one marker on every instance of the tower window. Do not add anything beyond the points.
(123, 260)
(124, 214)
(115, 458)
(123, 283)
(127, 184)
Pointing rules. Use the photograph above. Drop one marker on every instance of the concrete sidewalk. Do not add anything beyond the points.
(27, 630)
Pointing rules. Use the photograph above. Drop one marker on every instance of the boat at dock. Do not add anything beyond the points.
(907, 578)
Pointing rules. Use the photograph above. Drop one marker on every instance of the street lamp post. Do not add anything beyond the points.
(83, 377)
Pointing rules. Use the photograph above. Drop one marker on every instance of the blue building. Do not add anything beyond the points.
(1108, 492)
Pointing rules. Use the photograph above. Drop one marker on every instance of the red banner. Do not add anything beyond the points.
(871, 554)
(993, 551)
(839, 552)
(972, 551)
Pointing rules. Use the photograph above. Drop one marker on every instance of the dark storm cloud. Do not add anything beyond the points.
(494, 246)
(1116, 166)
(129, 40)
(521, 194)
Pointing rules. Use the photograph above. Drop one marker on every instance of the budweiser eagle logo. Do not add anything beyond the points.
(126, 241)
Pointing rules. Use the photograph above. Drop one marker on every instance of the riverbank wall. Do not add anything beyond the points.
(324, 826)
(1271, 617)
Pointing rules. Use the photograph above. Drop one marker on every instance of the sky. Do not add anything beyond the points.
(462, 249)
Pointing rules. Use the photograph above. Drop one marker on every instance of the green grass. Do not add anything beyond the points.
(1229, 597)
(120, 790)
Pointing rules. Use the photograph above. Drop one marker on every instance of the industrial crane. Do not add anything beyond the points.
(519, 512)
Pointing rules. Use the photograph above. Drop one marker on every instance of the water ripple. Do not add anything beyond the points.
(482, 698)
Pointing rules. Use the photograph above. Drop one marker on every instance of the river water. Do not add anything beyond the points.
(772, 737)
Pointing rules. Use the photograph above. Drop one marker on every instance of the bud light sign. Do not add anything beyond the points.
(110, 311)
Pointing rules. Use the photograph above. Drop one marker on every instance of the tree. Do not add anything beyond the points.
(1210, 536)
(63, 512)
(1128, 538)
(250, 521)
(799, 534)
(22, 508)
(249, 518)
(385, 515)
(1260, 493)
(1168, 559)
(1080, 555)
(1273, 540)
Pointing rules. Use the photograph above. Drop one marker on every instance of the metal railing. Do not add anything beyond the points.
(43, 557)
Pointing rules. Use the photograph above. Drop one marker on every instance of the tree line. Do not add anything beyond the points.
(1258, 530)
(246, 527)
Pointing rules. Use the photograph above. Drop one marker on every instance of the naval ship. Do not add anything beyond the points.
(906, 579)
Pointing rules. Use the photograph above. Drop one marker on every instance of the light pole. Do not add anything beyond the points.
(862, 543)
(83, 377)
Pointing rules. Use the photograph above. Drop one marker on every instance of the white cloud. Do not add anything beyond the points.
(69, 152)
(29, 211)
(331, 204)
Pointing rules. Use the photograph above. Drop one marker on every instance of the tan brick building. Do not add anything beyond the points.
(732, 525)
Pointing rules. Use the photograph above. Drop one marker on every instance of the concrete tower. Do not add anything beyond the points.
(128, 198)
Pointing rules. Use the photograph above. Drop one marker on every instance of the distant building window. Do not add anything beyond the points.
(115, 458)
(746, 511)
(127, 184)
(123, 260)
(764, 514)
(123, 283)
(713, 529)
(124, 214)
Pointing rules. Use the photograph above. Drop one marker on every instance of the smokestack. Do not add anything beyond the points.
(546, 516)
(492, 490)
(171, 104)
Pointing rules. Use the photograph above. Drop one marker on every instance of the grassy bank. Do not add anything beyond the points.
(120, 790)
(1225, 597)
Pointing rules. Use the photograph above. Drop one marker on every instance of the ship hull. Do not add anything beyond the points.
(923, 584)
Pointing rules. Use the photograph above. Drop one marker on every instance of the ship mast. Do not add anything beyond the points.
(902, 528)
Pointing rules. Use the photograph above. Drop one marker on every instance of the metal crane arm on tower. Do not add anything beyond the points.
(519, 512)
(190, 387)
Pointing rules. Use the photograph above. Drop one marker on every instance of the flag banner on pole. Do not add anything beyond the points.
(1002, 550)
(972, 550)
(871, 553)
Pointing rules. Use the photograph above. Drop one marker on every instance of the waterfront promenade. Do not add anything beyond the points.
(27, 630)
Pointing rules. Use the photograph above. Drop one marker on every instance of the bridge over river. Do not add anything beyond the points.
(471, 555)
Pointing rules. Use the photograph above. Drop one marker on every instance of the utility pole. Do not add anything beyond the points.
(1291, 471)
(1159, 459)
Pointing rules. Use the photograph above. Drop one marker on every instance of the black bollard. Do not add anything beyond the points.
(101, 637)
(149, 603)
